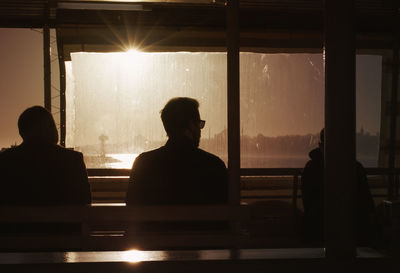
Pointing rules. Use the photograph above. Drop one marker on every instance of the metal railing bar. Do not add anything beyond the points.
(294, 195)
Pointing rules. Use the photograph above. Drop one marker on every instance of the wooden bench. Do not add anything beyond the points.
(233, 252)
(121, 236)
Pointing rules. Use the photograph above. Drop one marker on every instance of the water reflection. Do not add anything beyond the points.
(137, 256)
(283, 253)
(122, 161)
(93, 256)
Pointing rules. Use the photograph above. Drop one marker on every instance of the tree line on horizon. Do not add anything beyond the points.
(260, 145)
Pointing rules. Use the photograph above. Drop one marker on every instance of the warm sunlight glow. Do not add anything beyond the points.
(121, 161)
(132, 50)
(134, 256)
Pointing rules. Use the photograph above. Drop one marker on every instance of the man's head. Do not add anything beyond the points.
(181, 117)
(36, 123)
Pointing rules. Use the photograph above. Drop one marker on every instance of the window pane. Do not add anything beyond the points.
(368, 88)
(21, 78)
(282, 108)
(114, 102)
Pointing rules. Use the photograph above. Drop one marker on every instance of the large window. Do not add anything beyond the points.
(114, 102)
(282, 108)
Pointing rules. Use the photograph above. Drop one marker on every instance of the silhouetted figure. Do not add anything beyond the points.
(312, 183)
(179, 173)
(39, 172)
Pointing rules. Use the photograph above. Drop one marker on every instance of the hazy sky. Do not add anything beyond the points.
(290, 103)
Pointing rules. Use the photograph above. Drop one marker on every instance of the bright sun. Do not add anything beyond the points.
(132, 51)
(134, 256)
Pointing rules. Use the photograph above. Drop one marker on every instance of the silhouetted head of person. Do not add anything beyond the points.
(181, 117)
(37, 124)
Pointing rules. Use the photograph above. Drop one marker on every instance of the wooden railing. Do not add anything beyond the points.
(121, 218)
(110, 185)
(125, 219)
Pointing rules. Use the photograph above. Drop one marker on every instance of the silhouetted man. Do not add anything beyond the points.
(39, 172)
(179, 172)
(312, 183)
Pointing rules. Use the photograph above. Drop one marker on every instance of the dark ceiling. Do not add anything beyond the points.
(374, 14)
(262, 22)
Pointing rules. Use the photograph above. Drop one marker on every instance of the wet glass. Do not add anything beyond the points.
(114, 102)
(282, 108)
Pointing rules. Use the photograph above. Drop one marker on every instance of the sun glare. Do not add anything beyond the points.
(132, 50)
(134, 256)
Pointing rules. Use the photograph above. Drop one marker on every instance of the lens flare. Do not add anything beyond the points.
(134, 256)
(132, 50)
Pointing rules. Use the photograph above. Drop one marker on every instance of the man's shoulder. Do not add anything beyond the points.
(360, 171)
(210, 157)
(150, 155)
(7, 151)
(10, 152)
(316, 159)
(207, 154)
(61, 154)
(316, 154)
(66, 151)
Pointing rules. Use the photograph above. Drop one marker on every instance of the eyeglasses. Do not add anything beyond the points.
(202, 123)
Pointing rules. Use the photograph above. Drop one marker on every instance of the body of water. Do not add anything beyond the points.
(122, 161)
(125, 161)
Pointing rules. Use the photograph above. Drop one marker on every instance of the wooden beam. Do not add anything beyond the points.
(340, 129)
(233, 101)
(46, 67)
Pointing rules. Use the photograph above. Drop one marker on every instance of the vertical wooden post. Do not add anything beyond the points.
(340, 129)
(47, 67)
(233, 101)
(232, 22)
(63, 105)
(393, 117)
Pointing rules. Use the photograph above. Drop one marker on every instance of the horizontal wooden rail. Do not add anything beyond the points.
(126, 214)
(115, 228)
(249, 181)
(129, 214)
(108, 172)
(270, 171)
(248, 171)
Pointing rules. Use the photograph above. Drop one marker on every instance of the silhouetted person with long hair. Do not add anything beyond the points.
(39, 172)
(312, 184)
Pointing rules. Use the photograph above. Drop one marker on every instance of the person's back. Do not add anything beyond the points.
(43, 174)
(39, 172)
(312, 183)
(179, 173)
(312, 191)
